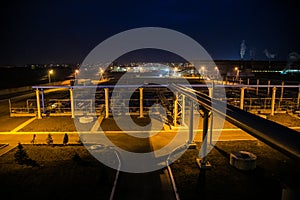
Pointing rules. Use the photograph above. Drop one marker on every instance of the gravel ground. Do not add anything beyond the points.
(273, 171)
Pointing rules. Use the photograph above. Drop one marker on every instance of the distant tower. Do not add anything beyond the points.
(252, 56)
(292, 57)
(269, 56)
(242, 52)
(252, 53)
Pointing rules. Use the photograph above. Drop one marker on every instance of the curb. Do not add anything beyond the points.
(4, 145)
(6, 149)
(173, 183)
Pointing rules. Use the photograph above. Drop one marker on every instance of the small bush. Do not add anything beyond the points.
(66, 139)
(79, 142)
(21, 154)
(33, 139)
(49, 139)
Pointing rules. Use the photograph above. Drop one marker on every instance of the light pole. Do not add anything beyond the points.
(75, 73)
(202, 70)
(217, 72)
(175, 71)
(237, 72)
(49, 75)
(101, 71)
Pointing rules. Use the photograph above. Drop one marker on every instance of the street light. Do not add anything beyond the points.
(237, 72)
(101, 71)
(75, 73)
(202, 71)
(217, 72)
(49, 75)
(175, 71)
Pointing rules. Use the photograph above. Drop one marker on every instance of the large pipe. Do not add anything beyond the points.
(280, 137)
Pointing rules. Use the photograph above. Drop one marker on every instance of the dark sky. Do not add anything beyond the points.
(61, 31)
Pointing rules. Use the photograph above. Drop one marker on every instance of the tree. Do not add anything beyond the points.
(66, 139)
(21, 155)
(49, 139)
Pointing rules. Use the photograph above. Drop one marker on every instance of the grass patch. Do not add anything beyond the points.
(59, 124)
(59, 175)
(284, 119)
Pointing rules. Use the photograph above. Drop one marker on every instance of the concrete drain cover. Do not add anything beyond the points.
(86, 119)
(243, 160)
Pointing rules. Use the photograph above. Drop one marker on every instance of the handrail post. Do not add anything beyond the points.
(273, 101)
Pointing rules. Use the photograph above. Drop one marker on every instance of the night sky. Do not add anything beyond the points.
(60, 31)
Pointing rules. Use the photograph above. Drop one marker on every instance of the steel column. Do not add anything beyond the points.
(298, 99)
(257, 84)
(191, 124)
(106, 103)
(175, 109)
(282, 89)
(211, 92)
(269, 82)
(43, 100)
(204, 135)
(72, 103)
(141, 103)
(38, 104)
(183, 110)
(242, 98)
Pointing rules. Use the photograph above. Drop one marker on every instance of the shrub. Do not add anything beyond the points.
(66, 139)
(49, 139)
(21, 154)
(79, 141)
(33, 139)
